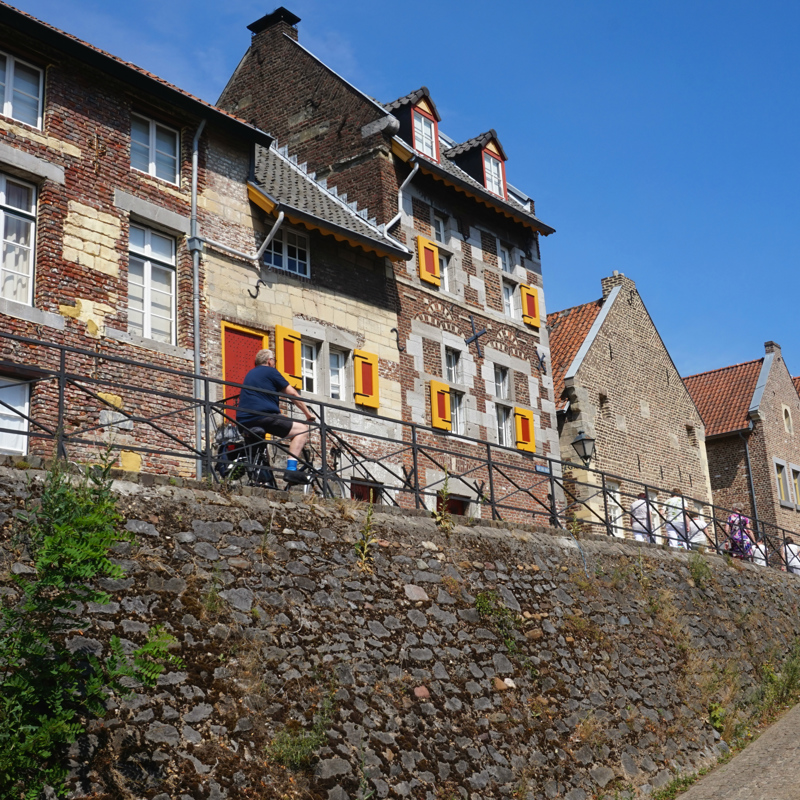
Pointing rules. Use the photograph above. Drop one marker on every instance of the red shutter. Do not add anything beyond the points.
(239, 348)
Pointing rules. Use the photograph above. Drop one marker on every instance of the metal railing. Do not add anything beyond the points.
(83, 402)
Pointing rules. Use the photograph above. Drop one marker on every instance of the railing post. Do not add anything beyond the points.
(207, 414)
(61, 451)
(495, 514)
(605, 503)
(323, 450)
(554, 522)
(415, 461)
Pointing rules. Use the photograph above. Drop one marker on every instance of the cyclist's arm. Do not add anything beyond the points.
(294, 395)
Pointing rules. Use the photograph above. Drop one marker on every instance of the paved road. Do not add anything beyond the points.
(768, 769)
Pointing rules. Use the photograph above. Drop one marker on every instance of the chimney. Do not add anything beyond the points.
(617, 279)
(281, 19)
(772, 347)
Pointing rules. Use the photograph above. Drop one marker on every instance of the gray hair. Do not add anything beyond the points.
(263, 356)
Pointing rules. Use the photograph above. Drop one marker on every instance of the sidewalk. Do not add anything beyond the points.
(768, 769)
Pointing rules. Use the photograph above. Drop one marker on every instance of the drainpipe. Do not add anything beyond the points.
(394, 220)
(239, 253)
(750, 475)
(194, 248)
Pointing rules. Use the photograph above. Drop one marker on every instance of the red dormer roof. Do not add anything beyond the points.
(796, 382)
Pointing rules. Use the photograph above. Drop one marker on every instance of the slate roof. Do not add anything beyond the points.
(723, 396)
(568, 330)
(412, 98)
(477, 141)
(126, 71)
(295, 190)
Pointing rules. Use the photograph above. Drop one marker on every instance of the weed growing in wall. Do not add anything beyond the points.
(699, 570)
(48, 693)
(504, 619)
(365, 543)
(443, 517)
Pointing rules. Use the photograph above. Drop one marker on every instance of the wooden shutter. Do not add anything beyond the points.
(523, 421)
(287, 355)
(530, 305)
(239, 348)
(440, 406)
(365, 366)
(428, 260)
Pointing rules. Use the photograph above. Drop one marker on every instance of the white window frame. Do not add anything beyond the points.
(616, 512)
(501, 382)
(153, 126)
(27, 215)
(440, 228)
(782, 482)
(452, 365)
(280, 247)
(7, 418)
(146, 256)
(424, 138)
(457, 412)
(309, 366)
(8, 96)
(341, 371)
(504, 257)
(504, 417)
(444, 272)
(788, 423)
(493, 172)
(794, 483)
(510, 306)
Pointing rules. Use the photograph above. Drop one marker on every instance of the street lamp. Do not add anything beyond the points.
(584, 447)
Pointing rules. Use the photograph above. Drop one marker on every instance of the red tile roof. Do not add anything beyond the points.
(568, 330)
(723, 396)
(796, 382)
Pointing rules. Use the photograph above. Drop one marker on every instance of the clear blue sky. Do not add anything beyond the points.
(658, 138)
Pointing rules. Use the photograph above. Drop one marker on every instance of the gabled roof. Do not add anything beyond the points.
(141, 79)
(286, 186)
(412, 99)
(725, 396)
(568, 330)
(477, 141)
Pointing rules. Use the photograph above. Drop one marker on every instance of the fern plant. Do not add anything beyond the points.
(47, 692)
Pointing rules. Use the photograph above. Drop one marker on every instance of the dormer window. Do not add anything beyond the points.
(425, 133)
(494, 179)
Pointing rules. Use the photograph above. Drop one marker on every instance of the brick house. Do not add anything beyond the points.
(752, 411)
(615, 380)
(96, 199)
(474, 239)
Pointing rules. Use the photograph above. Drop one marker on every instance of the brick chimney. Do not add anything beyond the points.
(281, 20)
(772, 347)
(617, 279)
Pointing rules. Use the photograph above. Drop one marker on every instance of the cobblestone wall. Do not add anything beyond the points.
(594, 680)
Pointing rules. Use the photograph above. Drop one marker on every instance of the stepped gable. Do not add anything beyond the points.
(723, 396)
(568, 330)
(294, 189)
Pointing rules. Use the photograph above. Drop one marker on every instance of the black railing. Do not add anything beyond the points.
(85, 401)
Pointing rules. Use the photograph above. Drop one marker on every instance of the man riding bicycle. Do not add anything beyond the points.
(257, 409)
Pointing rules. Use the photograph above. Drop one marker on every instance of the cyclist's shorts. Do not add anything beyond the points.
(276, 424)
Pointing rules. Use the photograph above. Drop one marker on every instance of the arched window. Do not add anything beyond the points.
(787, 421)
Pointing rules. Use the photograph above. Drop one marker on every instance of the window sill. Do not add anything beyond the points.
(173, 184)
(791, 506)
(48, 319)
(149, 344)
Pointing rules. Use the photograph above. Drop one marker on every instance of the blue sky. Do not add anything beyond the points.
(659, 139)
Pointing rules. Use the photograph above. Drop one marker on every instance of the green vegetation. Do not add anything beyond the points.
(699, 570)
(48, 694)
(365, 542)
(296, 747)
(442, 516)
(504, 620)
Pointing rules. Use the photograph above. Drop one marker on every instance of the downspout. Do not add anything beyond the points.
(194, 247)
(245, 256)
(750, 428)
(395, 219)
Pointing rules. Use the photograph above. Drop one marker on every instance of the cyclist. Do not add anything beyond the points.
(260, 410)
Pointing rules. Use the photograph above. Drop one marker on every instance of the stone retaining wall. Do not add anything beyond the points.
(590, 686)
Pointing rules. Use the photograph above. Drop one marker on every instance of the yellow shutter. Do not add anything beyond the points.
(365, 366)
(428, 260)
(523, 422)
(287, 355)
(530, 305)
(440, 406)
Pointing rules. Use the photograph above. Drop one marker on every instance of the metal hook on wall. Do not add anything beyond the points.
(259, 284)
(397, 336)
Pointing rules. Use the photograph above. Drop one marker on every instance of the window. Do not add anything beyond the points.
(151, 285)
(493, 174)
(289, 251)
(439, 229)
(505, 426)
(457, 412)
(505, 259)
(424, 134)
(366, 492)
(154, 148)
(337, 361)
(14, 438)
(455, 505)
(308, 367)
(787, 421)
(509, 299)
(501, 389)
(796, 484)
(22, 91)
(616, 512)
(444, 273)
(17, 222)
(783, 485)
(452, 362)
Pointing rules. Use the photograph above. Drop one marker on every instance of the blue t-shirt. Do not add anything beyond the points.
(254, 403)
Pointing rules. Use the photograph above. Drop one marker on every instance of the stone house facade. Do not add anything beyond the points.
(474, 239)
(615, 381)
(752, 411)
